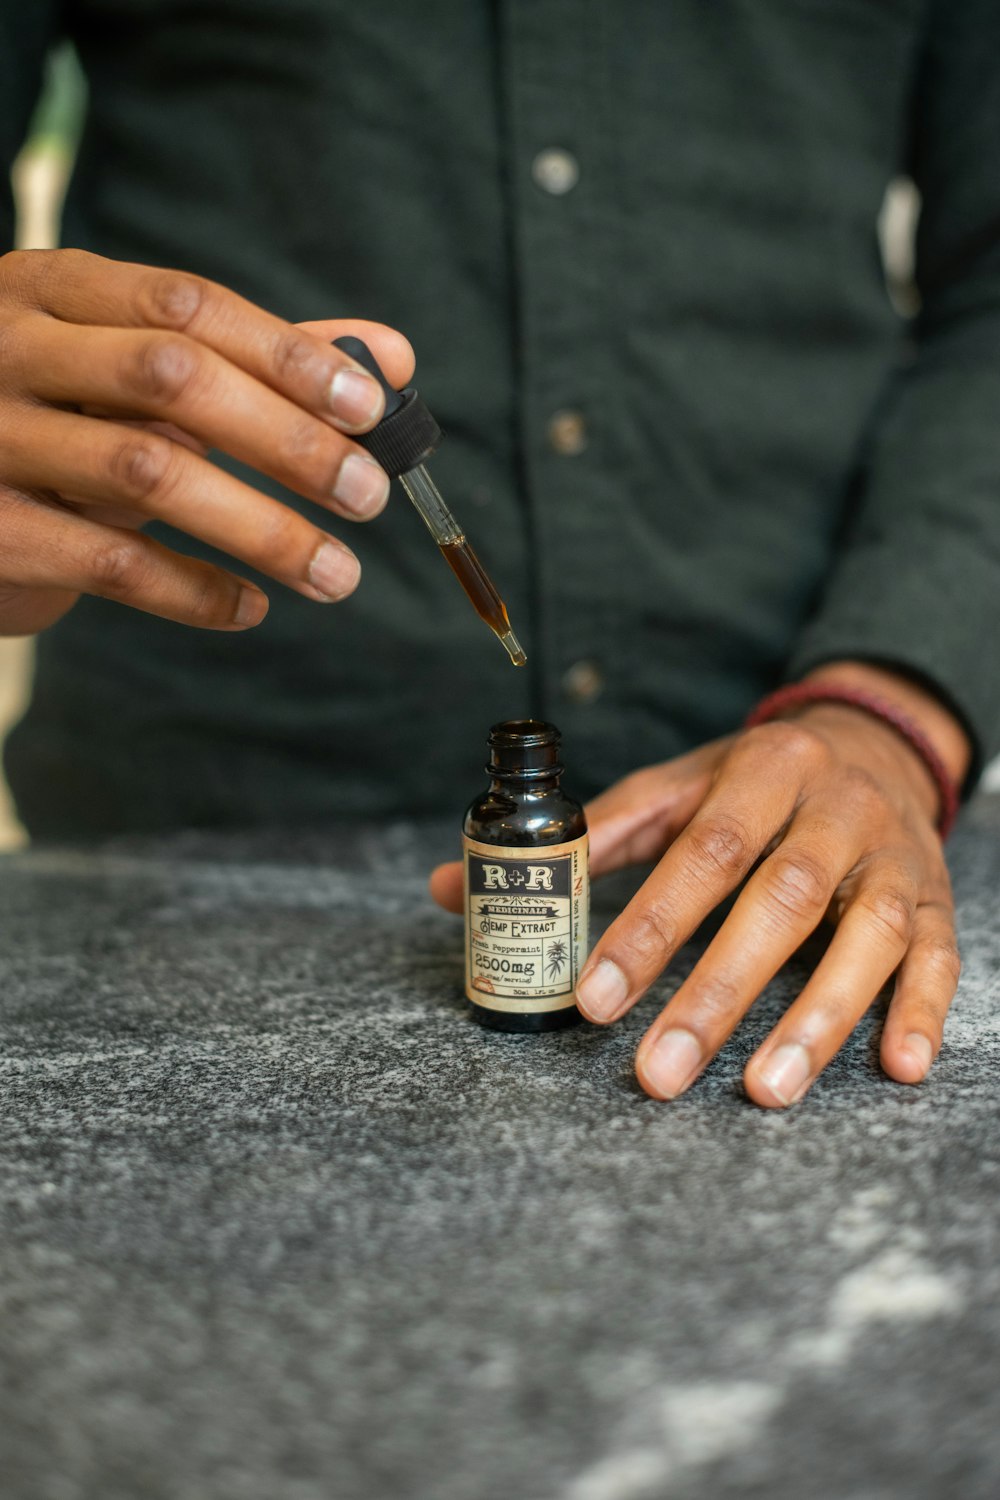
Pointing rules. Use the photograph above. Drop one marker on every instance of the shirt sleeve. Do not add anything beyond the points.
(27, 31)
(916, 585)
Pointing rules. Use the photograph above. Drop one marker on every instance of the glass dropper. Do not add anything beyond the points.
(402, 440)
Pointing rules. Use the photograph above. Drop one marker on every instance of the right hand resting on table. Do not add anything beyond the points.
(115, 380)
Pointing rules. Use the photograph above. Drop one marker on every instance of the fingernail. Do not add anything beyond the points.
(786, 1072)
(362, 487)
(671, 1063)
(356, 399)
(603, 992)
(251, 607)
(334, 572)
(917, 1045)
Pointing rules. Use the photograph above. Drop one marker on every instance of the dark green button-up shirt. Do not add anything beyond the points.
(634, 246)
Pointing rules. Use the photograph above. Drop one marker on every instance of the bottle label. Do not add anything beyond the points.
(526, 913)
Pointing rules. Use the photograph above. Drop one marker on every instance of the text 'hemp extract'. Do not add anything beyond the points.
(527, 886)
(400, 442)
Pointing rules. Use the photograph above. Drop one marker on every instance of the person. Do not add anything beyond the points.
(634, 248)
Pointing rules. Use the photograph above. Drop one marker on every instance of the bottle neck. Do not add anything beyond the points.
(524, 757)
(521, 784)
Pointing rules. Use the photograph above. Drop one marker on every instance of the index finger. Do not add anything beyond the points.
(298, 361)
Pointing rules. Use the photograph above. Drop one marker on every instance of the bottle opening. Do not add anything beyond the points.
(524, 747)
(524, 732)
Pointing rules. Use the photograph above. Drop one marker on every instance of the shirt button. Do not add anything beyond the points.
(583, 682)
(567, 433)
(555, 171)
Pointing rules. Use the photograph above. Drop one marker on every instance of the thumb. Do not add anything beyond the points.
(446, 886)
(391, 348)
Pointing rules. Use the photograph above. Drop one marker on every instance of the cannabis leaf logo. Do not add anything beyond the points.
(557, 958)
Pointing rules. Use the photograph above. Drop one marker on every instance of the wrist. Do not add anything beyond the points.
(943, 730)
(875, 744)
(885, 701)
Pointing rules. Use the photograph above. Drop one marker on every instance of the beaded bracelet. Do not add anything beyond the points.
(798, 695)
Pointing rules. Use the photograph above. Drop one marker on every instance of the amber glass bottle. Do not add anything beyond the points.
(527, 892)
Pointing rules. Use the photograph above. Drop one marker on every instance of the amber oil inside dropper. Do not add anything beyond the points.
(483, 597)
(460, 557)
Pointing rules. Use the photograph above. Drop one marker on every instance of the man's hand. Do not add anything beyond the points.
(829, 815)
(115, 380)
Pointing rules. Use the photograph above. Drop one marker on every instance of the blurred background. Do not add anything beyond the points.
(40, 175)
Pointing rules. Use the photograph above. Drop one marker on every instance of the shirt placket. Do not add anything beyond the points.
(558, 144)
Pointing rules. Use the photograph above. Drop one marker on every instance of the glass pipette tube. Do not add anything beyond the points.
(460, 557)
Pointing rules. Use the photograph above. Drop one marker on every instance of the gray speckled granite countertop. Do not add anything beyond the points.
(278, 1222)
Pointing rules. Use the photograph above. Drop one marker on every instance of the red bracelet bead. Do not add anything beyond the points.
(798, 695)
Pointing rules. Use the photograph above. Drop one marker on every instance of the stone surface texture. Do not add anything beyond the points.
(278, 1221)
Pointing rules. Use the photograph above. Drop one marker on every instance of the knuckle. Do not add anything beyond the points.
(118, 569)
(794, 742)
(292, 355)
(212, 601)
(889, 911)
(59, 267)
(139, 465)
(714, 1001)
(925, 1012)
(798, 884)
(941, 956)
(71, 260)
(171, 299)
(309, 450)
(721, 845)
(161, 369)
(285, 542)
(652, 935)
